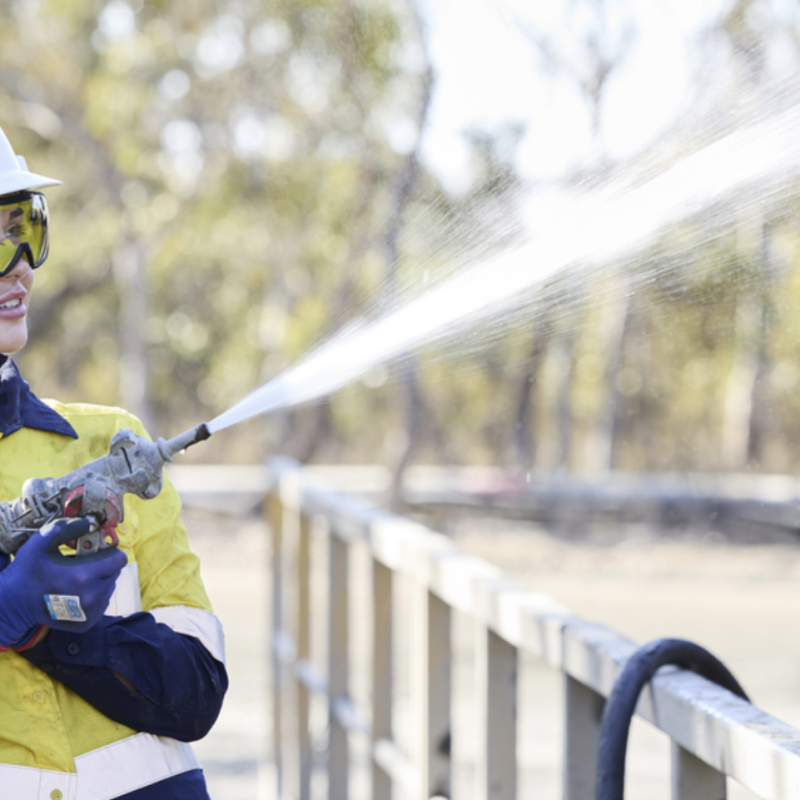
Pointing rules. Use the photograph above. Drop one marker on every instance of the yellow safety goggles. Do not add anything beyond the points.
(23, 230)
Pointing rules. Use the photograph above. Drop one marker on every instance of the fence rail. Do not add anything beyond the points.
(713, 733)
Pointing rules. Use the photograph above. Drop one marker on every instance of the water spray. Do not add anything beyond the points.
(609, 223)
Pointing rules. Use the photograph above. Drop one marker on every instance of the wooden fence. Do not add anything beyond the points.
(409, 571)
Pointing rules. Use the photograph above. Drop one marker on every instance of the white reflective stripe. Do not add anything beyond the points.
(196, 622)
(127, 597)
(103, 774)
(127, 765)
(27, 783)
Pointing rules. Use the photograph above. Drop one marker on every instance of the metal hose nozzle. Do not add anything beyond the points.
(170, 447)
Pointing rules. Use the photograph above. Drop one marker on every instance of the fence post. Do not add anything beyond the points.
(303, 655)
(497, 717)
(693, 779)
(288, 640)
(583, 712)
(439, 692)
(275, 516)
(338, 665)
(382, 671)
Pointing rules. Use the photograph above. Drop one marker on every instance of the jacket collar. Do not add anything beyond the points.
(20, 407)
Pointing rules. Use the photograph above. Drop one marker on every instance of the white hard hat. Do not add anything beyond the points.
(14, 174)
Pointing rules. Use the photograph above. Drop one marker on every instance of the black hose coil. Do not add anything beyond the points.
(621, 703)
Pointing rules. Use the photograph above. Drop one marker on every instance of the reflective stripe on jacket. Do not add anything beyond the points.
(105, 773)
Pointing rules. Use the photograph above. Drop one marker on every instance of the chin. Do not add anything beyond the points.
(13, 344)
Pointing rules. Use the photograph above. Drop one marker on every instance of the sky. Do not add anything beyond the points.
(488, 74)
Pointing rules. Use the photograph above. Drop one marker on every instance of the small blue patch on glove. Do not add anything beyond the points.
(65, 607)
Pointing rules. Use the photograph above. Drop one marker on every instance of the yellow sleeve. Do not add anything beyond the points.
(169, 572)
(153, 533)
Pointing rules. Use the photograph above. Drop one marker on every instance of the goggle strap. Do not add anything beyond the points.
(16, 197)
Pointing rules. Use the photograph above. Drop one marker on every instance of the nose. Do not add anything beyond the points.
(20, 271)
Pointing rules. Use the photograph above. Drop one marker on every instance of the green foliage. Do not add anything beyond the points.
(244, 147)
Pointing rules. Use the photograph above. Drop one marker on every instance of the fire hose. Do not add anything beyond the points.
(621, 703)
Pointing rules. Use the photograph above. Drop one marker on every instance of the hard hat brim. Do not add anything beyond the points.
(22, 180)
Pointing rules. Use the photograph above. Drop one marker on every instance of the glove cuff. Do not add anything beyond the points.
(25, 642)
(29, 642)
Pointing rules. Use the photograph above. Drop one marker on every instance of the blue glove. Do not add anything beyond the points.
(41, 587)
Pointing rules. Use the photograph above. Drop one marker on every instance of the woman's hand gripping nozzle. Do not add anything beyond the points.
(133, 465)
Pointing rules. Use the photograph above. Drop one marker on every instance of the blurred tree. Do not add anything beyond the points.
(241, 178)
(748, 53)
(228, 167)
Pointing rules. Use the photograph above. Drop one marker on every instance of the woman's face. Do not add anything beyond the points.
(15, 293)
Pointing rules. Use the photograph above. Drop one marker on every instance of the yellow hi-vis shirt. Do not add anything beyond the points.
(53, 744)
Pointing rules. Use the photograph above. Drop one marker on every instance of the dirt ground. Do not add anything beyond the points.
(741, 600)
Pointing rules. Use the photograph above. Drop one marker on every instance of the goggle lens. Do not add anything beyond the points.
(23, 230)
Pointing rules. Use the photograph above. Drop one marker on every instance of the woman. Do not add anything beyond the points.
(109, 665)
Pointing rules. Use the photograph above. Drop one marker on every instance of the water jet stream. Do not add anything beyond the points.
(612, 222)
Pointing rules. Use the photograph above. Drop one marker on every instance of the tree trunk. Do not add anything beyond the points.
(405, 183)
(601, 448)
(129, 269)
(563, 406)
(747, 421)
(740, 388)
(524, 435)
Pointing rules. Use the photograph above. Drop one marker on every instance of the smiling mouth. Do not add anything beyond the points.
(12, 303)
